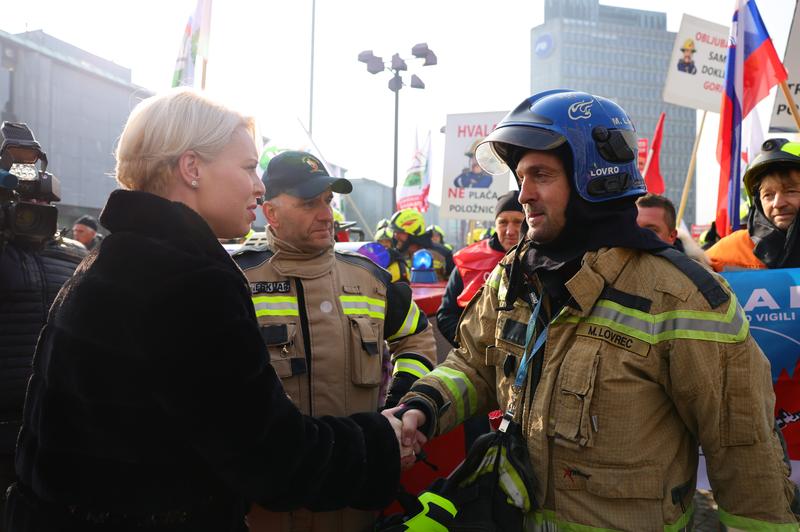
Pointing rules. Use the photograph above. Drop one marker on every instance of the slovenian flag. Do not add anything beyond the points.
(751, 70)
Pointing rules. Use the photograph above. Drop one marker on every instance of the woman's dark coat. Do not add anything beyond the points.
(152, 400)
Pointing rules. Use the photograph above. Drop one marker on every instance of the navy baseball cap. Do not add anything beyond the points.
(302, 175)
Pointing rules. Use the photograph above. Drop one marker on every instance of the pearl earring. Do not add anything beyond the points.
(195, 184)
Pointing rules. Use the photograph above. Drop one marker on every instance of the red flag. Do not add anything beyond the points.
(751, 70)
(652, 172)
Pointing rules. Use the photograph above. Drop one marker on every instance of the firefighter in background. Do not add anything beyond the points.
(474, 263)
(408, 227)
(437, 236)
(397, 266)
(770, 240)
(620, 354)
(324, 316)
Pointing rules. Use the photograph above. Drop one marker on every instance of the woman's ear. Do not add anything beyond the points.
(188, 169)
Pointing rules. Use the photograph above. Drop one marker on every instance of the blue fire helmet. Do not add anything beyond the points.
(599, 133)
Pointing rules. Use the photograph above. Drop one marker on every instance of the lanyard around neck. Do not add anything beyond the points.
(530, 350)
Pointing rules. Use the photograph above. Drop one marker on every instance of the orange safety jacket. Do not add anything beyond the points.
(734, 252)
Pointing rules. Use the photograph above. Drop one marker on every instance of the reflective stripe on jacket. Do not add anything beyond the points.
(638, 369)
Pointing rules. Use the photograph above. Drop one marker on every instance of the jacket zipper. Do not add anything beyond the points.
(301, 303)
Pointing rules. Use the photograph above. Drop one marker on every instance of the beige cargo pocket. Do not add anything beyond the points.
(630, 497)
(571, 422)
(737, 413)
(285, 356)
(366, 352)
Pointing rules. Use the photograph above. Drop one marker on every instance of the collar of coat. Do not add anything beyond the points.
(293, 262)
(156, 217)
(598, 269)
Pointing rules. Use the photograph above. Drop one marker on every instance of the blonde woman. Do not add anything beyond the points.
(152, 405)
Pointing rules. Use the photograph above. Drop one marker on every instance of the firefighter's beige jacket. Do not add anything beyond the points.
(637, 372)
(324, 318)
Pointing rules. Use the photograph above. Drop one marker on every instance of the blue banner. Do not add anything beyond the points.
(771, 301)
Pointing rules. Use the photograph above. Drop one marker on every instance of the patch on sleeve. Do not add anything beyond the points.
(270, 287)
(610, 336)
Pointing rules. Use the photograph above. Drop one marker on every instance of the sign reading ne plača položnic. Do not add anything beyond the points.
(469, 193)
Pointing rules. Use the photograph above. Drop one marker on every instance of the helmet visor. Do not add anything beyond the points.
(493, 158)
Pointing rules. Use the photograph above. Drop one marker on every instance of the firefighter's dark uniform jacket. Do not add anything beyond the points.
(152, 405)
(324, 317)
(638, 368)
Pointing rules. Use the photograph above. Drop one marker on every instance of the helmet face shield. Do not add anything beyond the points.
(495, 155)
(489, 161)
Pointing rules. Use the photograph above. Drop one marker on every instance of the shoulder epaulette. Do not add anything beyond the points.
(702, 278)
(360, 260)
(251, 256)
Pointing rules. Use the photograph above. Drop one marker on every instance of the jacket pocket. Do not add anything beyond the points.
(738, 427)
(366, 345)
(629, 497)
(571, 420)
(505, 365)
(284, 355)
(633, 482)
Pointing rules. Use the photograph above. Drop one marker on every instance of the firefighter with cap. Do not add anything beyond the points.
(616, 354)
(325, 315)
(408, 228)
(772, 182)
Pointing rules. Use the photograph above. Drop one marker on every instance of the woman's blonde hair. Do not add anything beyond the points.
(161, 128)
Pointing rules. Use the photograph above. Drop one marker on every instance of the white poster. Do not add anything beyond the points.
(781, 120)
(696, 71)
(469, 193)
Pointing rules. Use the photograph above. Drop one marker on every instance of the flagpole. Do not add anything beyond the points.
(647, 162)
(790, 102)
(688, 183)
(203, 77)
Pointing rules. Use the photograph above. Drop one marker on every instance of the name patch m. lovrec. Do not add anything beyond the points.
(628, 343)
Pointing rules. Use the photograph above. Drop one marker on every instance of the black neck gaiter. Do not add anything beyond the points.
(773, 246)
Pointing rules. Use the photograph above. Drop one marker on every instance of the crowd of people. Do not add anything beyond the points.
(178, 388)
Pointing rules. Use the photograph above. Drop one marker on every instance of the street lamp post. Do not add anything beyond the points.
(375, 64)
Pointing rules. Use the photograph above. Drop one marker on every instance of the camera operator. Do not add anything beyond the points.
(34, 263)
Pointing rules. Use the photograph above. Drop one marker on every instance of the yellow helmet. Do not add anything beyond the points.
(408, 221)
(436, 229)
(384, 233)
(688, 46)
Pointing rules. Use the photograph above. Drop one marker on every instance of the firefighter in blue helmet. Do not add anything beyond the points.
(613, 354)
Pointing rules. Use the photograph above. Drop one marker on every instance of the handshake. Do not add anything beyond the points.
(408, 434)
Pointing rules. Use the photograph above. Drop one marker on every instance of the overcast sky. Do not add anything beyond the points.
(260, 54)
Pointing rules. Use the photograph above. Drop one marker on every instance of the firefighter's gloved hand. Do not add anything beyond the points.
(400, 385)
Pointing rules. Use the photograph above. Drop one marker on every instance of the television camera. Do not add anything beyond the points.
(26, 188)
